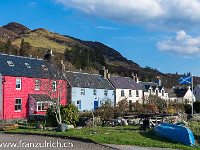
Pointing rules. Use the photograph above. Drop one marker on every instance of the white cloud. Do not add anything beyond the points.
(162, 14)
(109, 28)
(182, 45)
(32, 4)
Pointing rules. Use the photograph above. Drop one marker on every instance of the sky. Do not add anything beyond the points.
(161, 34)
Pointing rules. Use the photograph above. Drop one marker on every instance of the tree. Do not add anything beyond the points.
(160, 103)
(122, 107)
(55, 85)
(105, 111)
(9, 47)
(25, 48)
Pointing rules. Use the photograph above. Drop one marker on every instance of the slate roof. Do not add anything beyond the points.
(177, 92)
(85, 80)
(41, 97)
(180, 92)
(171, 93)
(20, 69)
(147, 85)
(124, 83)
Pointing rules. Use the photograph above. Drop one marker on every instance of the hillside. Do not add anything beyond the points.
(42, 39)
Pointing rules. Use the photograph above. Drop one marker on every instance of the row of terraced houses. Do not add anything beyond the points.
(22, 93)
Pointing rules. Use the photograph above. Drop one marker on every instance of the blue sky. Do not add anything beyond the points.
(162, 34)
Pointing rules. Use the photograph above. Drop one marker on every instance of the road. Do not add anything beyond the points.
(33, 142)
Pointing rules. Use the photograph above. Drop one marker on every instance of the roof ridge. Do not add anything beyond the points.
(20, 56)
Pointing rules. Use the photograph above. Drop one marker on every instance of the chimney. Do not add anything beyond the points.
(136, 78)
(62, 66)
(133, 76)
(104, 72)
(109, 75)
(158, 81)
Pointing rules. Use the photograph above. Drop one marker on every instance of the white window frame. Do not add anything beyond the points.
(40, 104)
(53, 85)
(20, 83)
(37, 84)
(137, 93)
(18, 104)
(94, 92)
(82, 91)
(105, 92)
(78, 104)
(122, 91)
(130, 93)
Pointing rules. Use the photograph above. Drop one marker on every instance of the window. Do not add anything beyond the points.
(44, 67)
(18, 104)
(18, 84)
(156, 92)
(105, 92)
(130, 93)
(94, 92)
(31, 106)
(122, 92)
(150, 91)
(37, 84)
(75, 77)
(27, 65)
(99, 79)
(79, 104)
(10, 63)
(137, 93)
(163, 92)
(53, 85)
(41, 106)
(82, 91)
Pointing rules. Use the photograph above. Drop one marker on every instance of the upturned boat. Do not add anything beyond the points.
(176, 133)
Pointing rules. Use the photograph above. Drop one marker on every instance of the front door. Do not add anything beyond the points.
(95, 105)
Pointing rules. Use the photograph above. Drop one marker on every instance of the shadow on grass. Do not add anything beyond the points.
(130, 129)
(197, 140)
(150, 134)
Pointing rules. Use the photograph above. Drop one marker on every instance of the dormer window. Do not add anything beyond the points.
(99, 79)
(27, 65)
(10, 63)
(44, 67)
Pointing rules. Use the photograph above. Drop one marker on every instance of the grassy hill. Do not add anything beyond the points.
(42, 39)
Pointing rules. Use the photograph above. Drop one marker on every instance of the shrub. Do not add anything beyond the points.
(69, 114)
(188, 108)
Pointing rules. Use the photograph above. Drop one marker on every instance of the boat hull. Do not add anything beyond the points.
(175, 133)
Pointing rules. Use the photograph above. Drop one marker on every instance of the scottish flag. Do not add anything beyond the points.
(185, 80)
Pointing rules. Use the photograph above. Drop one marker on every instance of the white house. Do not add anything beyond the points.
(126, 88)
(181, 95)
(151, 88)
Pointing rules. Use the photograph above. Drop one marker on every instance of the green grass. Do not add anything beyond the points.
(119, 135)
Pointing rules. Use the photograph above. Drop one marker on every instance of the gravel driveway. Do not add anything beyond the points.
(29, 142)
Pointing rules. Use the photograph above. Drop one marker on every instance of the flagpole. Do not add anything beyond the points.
(192, 95)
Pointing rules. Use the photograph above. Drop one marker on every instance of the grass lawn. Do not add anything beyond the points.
(129, 135)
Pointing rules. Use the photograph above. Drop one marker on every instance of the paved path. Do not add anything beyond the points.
(33, 142)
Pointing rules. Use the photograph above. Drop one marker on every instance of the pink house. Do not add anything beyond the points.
(21, 89)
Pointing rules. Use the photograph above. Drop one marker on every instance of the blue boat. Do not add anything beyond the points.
(176, 133)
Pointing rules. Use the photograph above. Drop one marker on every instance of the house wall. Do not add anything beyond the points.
(197, 92)
(188, 96)
(165, 96)
(10, 93)
(87, 100)
(132, 98)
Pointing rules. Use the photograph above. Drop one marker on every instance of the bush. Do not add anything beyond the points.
(188, 108)
(69, 115)
(51, 117)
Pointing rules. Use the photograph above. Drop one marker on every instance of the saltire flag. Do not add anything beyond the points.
(185, 80)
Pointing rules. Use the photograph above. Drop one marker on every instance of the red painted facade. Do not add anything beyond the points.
(10, 93)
